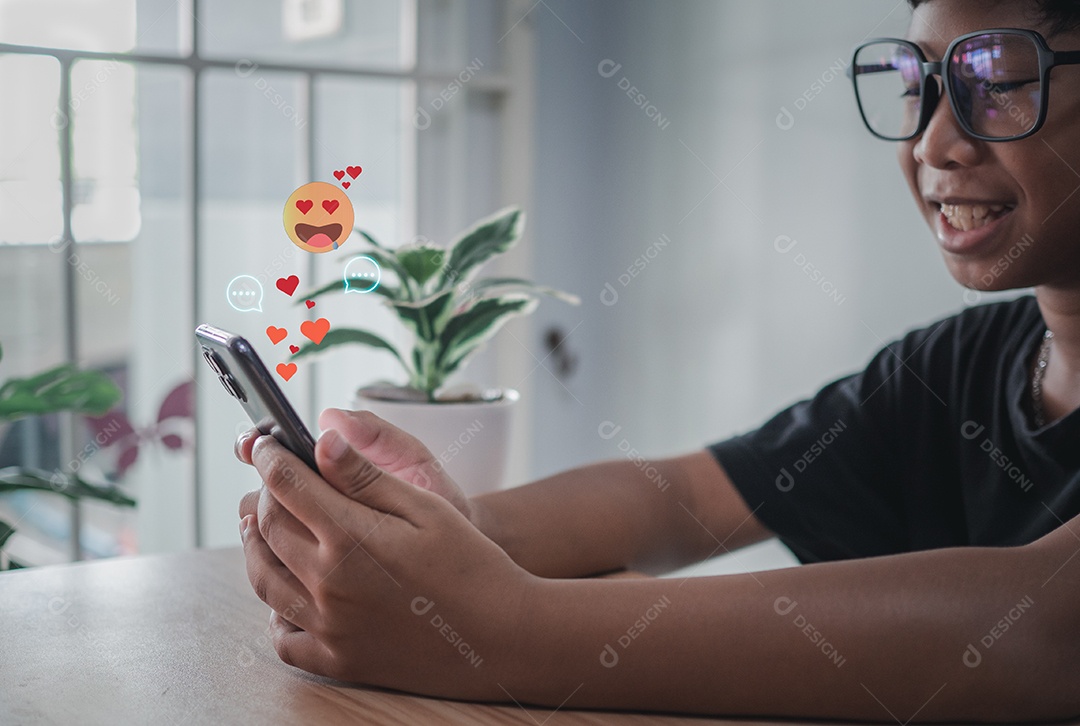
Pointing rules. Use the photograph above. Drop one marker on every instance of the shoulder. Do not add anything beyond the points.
(936, 362)
(999, 326)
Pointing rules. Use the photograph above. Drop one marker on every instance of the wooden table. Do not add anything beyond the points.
(181, 639)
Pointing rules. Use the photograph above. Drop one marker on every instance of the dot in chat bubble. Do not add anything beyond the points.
(245, 294)
(362, 274)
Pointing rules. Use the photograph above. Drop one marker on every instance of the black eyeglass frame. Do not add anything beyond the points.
(930, 96)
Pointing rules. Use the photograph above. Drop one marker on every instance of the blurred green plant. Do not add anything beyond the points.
(63, 388)
(435, 294)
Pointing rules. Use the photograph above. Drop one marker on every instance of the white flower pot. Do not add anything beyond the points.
(471, 440)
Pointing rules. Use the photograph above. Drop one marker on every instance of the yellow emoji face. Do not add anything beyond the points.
(318, 217)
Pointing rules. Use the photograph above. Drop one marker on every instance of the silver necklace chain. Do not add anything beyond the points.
(1037, 380)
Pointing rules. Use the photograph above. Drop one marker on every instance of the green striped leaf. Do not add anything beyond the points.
(70, 485)
(502, 284)
(488, 237)
(383, 290)
(388, 261)
(468, 330)
(343, 336)
(426, 318)
(63, 388)
(6, 530)
(371, 240)
(421, 262)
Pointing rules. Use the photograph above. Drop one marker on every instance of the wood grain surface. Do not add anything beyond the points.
(181, 639)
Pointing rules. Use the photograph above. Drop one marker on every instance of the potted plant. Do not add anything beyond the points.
(63, 388)
(450, 313)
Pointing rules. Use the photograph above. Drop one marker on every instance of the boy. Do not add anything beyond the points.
(940, 518)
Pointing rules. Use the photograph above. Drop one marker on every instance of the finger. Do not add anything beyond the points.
(306, 495)
(244, 442)
(273, 583)
(360, 480)
(297, 647)
(249, 503)
(293, 543)
(382, 443)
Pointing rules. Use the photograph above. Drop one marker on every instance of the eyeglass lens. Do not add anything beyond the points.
(994, 80)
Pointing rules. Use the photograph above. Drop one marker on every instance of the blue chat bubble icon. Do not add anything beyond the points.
(245, 294)
(362, 274)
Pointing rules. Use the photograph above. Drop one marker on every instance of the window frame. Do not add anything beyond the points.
(513, 86)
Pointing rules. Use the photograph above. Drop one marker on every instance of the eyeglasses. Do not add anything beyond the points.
(997, 81)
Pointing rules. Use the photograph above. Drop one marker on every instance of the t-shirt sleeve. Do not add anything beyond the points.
(826, 475)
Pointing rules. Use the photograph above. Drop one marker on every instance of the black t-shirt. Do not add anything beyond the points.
(931, 446)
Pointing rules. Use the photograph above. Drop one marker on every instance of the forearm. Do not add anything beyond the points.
(856, 639)
(603, 517)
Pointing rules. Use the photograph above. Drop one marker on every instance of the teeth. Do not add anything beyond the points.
(966, 217)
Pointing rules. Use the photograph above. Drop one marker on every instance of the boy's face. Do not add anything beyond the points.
(1035, 239)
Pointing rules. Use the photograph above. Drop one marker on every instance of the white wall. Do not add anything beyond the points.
(719, 330)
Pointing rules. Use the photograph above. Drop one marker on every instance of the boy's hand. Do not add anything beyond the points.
(386, 446)
(370, 575)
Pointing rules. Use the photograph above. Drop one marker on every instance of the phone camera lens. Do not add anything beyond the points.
(233, 387)
(212, 361)
(226, 386)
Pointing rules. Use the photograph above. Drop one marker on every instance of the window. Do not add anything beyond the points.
(146, 150)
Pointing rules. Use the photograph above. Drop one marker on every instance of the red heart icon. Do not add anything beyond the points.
(286, 370)
(288, 284)
(276, 335)
(345, 185)
(315, 331)
(294, 349)
(304, 205)
(310, 304)
(338, 174)
(330, 205)
(354, 171)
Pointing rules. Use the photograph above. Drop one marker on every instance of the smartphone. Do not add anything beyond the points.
(246, 379)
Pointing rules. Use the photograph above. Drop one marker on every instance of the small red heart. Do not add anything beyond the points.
(304, 205)
(294, 349)
(288, 284)
(276, 335)
(354, 171)
(338, 174)
(316, 330)
(310, 304)
(330, 205)
(286, 370)
(345, 185)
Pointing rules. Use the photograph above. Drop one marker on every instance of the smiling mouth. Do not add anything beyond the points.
(323, 236)
(966, 217)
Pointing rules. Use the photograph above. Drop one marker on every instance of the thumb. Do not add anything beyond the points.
(352, 474)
